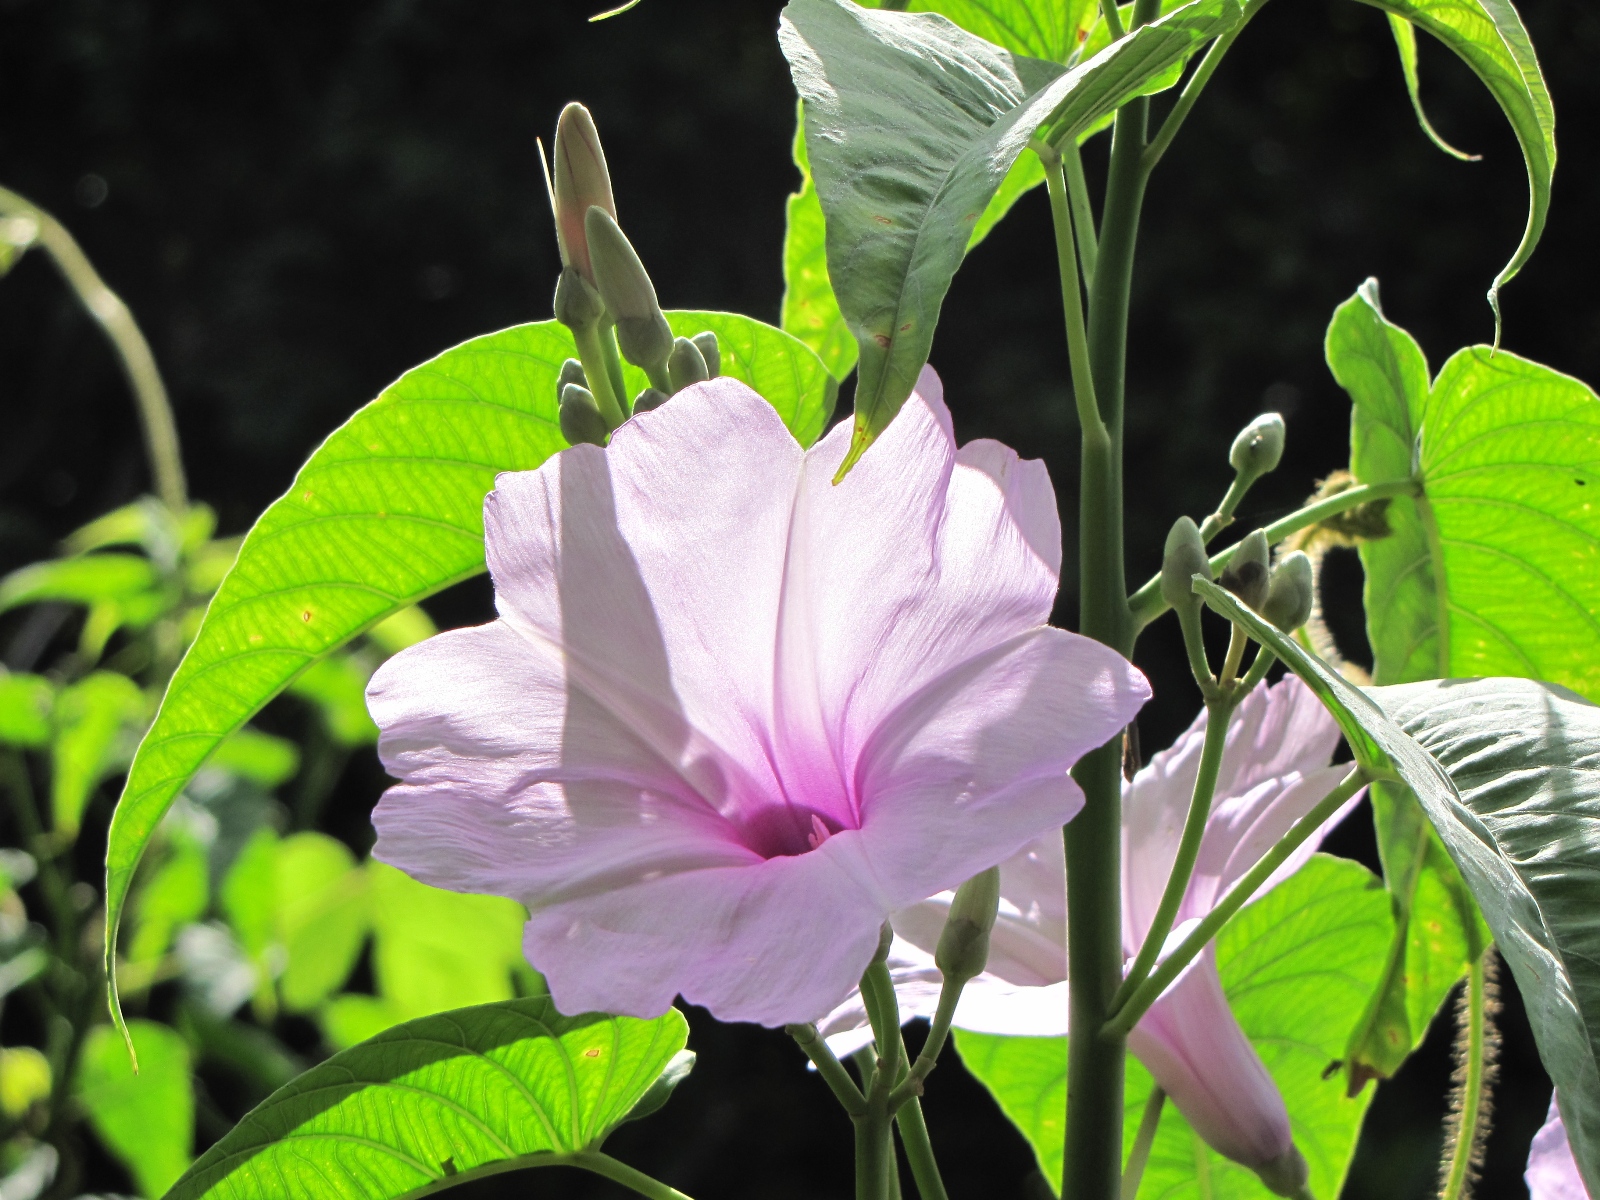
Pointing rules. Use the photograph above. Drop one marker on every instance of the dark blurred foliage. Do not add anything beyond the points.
(301, 200)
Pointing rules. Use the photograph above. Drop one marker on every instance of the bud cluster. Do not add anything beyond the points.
(605, 297)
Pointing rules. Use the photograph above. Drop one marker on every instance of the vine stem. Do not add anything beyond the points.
(1475, 1071)
(1139, 1155)
(138, 364)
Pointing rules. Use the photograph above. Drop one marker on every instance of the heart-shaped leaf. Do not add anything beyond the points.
(442, 1100)
(911, 126)
(387, 511)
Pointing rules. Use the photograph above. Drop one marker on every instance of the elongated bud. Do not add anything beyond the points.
(963, 949)
(1258, 448)
(643, 335)
(1290, 593)
(578, 305)
(706, 343)
(1185, 558)
(581, 183)
(1246, 573)
(571, 372)
(580, 417)
(649, 400)
(685, 365)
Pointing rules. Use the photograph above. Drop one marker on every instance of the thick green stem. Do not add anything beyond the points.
(1139, 1155)
(1147, 603)
(1127, 1016)
(829, 1067)
(619, 387)
(592, 354)
(621, 1172)
(138, 364)
(1094, 429)
(1194, 828)
(1082, 209)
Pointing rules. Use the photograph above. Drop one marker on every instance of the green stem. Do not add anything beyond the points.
(589, 1160)
(1223, 517)
(910, 1087)
(1191, 93)
(591, 353)
(619, 386)
(874, 1153)
(1258, 671)
(1083, 392)
(621, 1172)
(883, 1010)
(1127, 1016)
(1082, 209)
(1237, 641)
(1139, 1156)
(829, 1067)
(1475, 1071)
(26, 810)
(1147, 603)
(138, 364)
(1218, 713)
(919, 1151)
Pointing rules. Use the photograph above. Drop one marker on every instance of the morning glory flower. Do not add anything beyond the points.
(1552, 1172)
(1274, 769)
(731, 715)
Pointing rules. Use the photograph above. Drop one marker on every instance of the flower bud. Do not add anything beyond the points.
(578, 305)
(649, 400)
(643, 335)
(571, 372)
(1290, 593)
(686, 365)
(1258, 448)
(963, 949)
(706, 343)
(1246, 573)
(1184, 559)
(1286, 1175)
(581, 182)
(580, 417)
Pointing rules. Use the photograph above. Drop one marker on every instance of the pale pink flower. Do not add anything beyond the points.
(1274, 769)
(732, 715)
(1552, 1172)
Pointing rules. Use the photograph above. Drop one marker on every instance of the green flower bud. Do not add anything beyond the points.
(580, 417)
(578, 305)
(649, 400)
(1258, 448)
(1290, 593)
(706, 343)
(963, 949)
(581, 183)
(643, 335)
(1184, 559)
(1246, 574)
(1286, 1175)
(571, 372)
(685, 365)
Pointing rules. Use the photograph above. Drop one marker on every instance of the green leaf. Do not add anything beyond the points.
(1296, 967)
(1490, 38)
(810, 311)
(258, 757)
(387, 511)
(911, 127)
(1405, 40)
(404, 628)
(95, 719)
(1049, 29)
(85, 580)
(146, 1120)
(25, 705)
(442, 1100)
(337, 686)
(1519, 812)
(175, 893)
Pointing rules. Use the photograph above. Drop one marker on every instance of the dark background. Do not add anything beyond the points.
(301, 200)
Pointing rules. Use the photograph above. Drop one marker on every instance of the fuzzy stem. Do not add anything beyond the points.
(1477, 1053)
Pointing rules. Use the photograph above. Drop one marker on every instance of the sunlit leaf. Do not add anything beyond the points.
(95, 719)
(83, 580)
(441, 1100)
(911, 127)
(1490, 38)
(1296, 966)
(1508, 772)
(337, 686)
(1405, 40)
(177, 892)
(25, 705)
(258, 757)
(810, 310)
(146, 1120)
(1050, 29)
(404, 628)
(386, 512)
(24, 1080)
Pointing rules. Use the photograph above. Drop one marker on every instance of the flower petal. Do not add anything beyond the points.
(1552, 1172)
(972, 767)
(653, 568)
(1190, 1041)
(782, 941)
(514, 785)
(918, 560)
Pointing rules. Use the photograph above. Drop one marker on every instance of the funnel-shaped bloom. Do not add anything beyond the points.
(1274, 769)
(1552, 1172)
(732, 716)
(581, 182)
